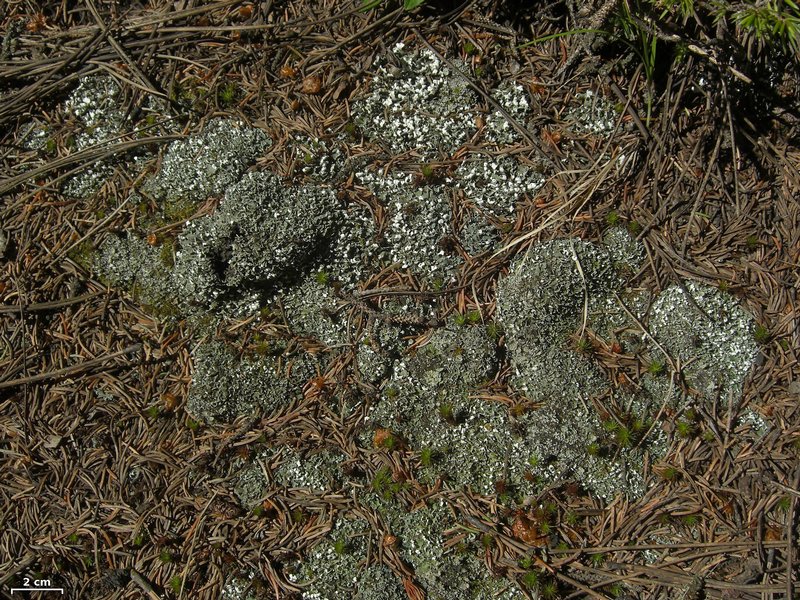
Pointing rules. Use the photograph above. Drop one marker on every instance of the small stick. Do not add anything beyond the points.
(197, 525)
(790, 549)
(585, 288)
(73, 370)
(647, 333)
(139, 580)
(45, 306)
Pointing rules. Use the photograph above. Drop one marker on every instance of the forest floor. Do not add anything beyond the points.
(117, 483)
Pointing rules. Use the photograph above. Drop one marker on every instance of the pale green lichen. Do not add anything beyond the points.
(246, 585)
(288, 467)
(251, 485)
(334, 568)
(94, 107)
(608, 318)
(627, 253)
(563, 287)
(318, 471)
(428, 404)
(455, 360)
(131, 263)
(477, 235)
(444, 573)
(312, 309)
(377, 353)
(514, 100)
(549, 297)
(260, 239)
(320, 160)
(570, 443)
(205, 164)
(594, 114)
(495, 184)
(419, 223)
(712, 336)
(379, 583)
(225, 387)
(541, 300)
(391, 112)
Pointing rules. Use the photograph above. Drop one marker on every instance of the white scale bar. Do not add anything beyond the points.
(37, 590)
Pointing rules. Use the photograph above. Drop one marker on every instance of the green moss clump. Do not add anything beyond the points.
(426, 456)
(227, 94)
(166, 253)
(656, 367)
(178, 210)
(761, 334)
(384, 485)
(175, 584)
(84, 254)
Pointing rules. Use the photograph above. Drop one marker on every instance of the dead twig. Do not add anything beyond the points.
(146, 586)
(73, 370)
(46, 306)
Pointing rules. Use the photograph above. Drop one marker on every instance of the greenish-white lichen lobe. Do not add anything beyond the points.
(225, 386)
(419, 219)
(94, 108)
(378, 351)
(454, 361)
(712, 335)
(544, 304)
(420, 233)
(241, 586)
(594, 115)
(467, 578)
(311, 306)
(285, 466)
(559, 442)
(336, 567)
(318, 471)
(379, 583)
(251, 485)
(514, 100)
(312, 309)
(421, 540)
(205, 164)
(444, 573)
(429, 403)
(494, 184)
(626, 252)
(354, 252)
(193, 169)
(417, 103)
(607, 314)
(318, 159)
(260, 238)
(541, 300)
(94, 105)
(131, 263)
(476, 235)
